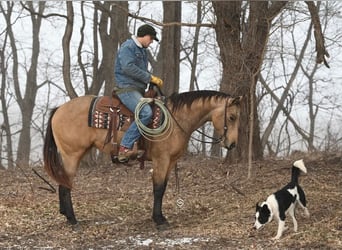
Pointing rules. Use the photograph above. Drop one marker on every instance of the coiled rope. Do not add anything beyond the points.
(160, 133)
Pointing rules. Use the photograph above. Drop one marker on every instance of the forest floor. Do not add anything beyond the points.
(212, 207)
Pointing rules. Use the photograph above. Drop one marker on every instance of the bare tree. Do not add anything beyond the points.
(169, 54)
(5, 127)
(25, 101)
(308, 90)
(66, 50)
(242, 31)
(286, 91)
(193, 61)
(113, 15)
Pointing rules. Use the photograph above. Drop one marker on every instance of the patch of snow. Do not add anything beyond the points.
(139, 241)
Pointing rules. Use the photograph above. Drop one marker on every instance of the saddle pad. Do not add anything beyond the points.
(98, 118)
(101, 110)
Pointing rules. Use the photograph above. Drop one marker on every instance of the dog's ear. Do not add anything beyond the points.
(265, 209)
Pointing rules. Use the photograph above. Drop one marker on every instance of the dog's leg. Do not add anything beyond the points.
(302, 201)
(306, 210)
(281, 228)
(295, 224)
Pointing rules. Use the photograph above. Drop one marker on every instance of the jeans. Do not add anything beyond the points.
(131, 99)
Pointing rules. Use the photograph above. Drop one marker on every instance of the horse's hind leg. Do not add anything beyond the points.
(65, 204)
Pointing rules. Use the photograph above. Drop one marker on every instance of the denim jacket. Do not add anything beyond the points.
(131, 66)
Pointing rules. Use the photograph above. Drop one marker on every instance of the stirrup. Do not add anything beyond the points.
(130, 154)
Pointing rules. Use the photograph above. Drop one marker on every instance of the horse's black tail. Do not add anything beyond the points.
(296, 168)
(52, 162)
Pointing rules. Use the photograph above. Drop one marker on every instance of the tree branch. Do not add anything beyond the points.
(301, 131)
(32, 12)
(275, 8)
(162, 24)
(320, 47)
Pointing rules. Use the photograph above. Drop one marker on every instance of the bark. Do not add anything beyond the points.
(193, 62)
(79, 51)
(113, 15)
(27, 103)
(169, 54)
(66, 50)
(320, 44)
(242, 47)
(5, 126)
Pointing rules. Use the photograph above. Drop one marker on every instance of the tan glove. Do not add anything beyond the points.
(157, 81)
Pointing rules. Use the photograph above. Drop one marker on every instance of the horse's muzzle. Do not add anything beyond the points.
(231, 146)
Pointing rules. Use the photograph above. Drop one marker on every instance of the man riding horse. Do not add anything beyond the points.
(132, 77)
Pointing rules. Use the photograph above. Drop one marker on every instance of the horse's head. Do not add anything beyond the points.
(226, 121)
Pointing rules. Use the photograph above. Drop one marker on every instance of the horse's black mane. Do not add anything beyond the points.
(187, 98)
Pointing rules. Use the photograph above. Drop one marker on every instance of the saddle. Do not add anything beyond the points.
(108, 112)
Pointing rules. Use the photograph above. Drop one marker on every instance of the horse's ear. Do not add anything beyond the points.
(234, 101)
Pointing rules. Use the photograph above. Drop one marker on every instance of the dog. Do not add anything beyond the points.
(283, 202)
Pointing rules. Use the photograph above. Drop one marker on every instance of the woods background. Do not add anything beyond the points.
(284, 57)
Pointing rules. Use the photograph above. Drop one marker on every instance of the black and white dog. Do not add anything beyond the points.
(283, 202)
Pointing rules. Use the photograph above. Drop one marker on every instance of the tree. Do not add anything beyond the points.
(242, 31)
(66, 50)
(169, 54)
(303, 93)
(280, 103)
(113, 15)
(25, 101)
(117, 11)
(5, 127)
(91, 37)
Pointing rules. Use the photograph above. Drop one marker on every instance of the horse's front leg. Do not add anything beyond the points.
(161, 171)
(157, 215)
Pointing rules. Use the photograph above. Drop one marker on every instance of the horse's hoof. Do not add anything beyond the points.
(163, 227)
(76, 227)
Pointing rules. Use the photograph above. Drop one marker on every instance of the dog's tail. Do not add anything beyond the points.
(296, 168)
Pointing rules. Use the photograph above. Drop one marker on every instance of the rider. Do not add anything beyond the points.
(132, 77)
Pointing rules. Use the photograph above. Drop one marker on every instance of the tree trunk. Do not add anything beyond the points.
(242, 47)
(193, 62)
(169, 54)
(5, 127)
(28, 102)
(117, 11)
(66, 50)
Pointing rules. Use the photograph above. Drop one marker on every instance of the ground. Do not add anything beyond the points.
(211, 206)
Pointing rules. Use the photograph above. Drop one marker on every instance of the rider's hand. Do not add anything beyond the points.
(157, 81)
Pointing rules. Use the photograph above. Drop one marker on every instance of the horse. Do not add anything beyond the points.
(68, 138)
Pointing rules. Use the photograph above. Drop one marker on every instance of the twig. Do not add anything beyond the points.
(23, 172)
(51, 189)
(237, 190)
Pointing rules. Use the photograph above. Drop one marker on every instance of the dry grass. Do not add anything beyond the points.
(213, 209)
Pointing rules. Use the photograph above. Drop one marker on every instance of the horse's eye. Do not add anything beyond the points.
(232, 118)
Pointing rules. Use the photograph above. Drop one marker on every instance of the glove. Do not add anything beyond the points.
(157, 81)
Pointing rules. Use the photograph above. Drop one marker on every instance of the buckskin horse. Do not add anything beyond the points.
(68, 138)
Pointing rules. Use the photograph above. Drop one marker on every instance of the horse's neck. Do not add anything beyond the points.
(192, 118)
